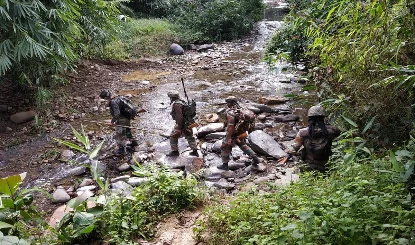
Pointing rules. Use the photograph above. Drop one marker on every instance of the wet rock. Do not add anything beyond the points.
(272, 100)
(287, 118)
(205, 47)
(212, 117)
(212, 159)
(261, 180)
(87, 188)
(259, 168)
(213, 173)
(23, 117)
(120, 178)
(259, 126)
(287, 144)
(194, 165)
(124, 167)
(261, 107)
(173, 162)
(284, 80)
(229, 174)
(217, 146)
(86, 193)
(99, 166)
(121, 187)
(66, 155)
(217, 135)
(176, 49)
(86, 182)
(301, 80)
(164, 147)
(236, 165)
(262, 117)
(136, 181)
(223, 184)
(60, 195)
(139, 157)
(287, 178)
(210, 128)
(75, 171)
(263, 143)
(236, 153)
(254, 109)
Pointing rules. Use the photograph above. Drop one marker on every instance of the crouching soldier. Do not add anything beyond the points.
(183, 125)
(316, 139)
(122, 112)
(238, 122)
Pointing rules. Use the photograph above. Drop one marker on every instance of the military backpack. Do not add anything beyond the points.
(245, 121)
(127, 108)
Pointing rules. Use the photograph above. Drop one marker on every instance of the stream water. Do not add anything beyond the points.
(231, 68)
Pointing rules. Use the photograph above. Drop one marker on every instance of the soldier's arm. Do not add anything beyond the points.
(178, 111)
(115, 111)
(298, 142)
(230, 128)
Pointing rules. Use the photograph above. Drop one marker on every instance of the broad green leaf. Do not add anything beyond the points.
(348, 158)
(395, 163)
(309, 88)
(290, 95)
(82, 138)
(369, 125)
(82, 220)
(72, 145)
(408, 172)
(4, 225)
(96, 150)
(291, 226)
(96, 211)
(74, 203)
(350, 121)
(10, 184)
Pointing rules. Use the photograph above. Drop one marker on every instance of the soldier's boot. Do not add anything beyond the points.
(224, 166)
(173, 154)
(256, 165)
(194, 153)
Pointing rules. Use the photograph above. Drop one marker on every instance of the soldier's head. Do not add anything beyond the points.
(105, 94)
(316, 111)
(173, 95)
(231, 101)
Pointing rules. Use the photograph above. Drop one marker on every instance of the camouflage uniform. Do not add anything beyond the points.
(122, 124)
(317, 149)
(231, 137)
(181, 126)
(123, 134)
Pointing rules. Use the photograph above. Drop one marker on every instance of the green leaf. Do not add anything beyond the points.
(395, 164)
(350, 121)
(10, 184)
(4, 225)
(369, 125)
(291, 226)
(96, 150)
(82, 138)
(74, 203)
(309, 88)
(72, 145)
(408, 172)
(82, 220)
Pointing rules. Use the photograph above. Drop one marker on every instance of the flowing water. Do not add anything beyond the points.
(233, 68)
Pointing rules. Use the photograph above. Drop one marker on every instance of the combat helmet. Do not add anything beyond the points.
(231, 100)
(316, 111)
(173, 94)
(105, 94)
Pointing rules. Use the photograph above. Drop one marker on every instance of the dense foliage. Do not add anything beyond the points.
(364, 199)
(363, 51)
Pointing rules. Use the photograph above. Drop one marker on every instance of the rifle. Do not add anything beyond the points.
(110, 125)
(184, 89)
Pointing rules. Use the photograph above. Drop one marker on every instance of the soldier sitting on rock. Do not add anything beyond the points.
(183, 125)
(316, 139)
(122, 112)
(238, 122)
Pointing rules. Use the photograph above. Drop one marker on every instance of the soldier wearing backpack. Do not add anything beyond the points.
(183, 114)
(316, 139)
(238, 122)
(122, 112)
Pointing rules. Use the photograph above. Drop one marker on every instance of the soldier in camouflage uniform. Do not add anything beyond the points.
(232, 138)
(121, 123)
(316, 139)
(181, 127)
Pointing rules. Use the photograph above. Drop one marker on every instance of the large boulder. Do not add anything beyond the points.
(264, 143)
(23, 117)
(210, 128)
(176, 49)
